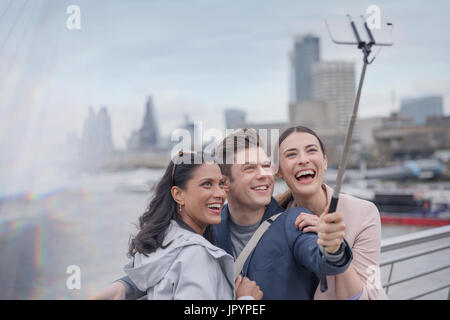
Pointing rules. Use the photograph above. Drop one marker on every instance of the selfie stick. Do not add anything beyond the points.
(366, 49)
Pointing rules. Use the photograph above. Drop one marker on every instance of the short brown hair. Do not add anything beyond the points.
(232, 144)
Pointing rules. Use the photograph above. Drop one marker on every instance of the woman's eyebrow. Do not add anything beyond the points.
(211, 179)
(290, 149)
(311, 145)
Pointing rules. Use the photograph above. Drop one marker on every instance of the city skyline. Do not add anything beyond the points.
(193, 57)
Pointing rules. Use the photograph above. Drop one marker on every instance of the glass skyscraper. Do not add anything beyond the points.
(419, 109)
(306, 53)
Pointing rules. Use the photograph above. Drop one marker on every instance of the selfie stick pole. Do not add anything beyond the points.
(366, 48)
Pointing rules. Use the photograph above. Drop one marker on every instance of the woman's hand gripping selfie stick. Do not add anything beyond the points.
(366, 48)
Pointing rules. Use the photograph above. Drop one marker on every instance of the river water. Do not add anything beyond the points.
(86, 222)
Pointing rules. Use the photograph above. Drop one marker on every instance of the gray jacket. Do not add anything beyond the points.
(189, 268)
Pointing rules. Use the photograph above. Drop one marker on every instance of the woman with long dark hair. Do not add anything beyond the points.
(303, 162)
(173, 257)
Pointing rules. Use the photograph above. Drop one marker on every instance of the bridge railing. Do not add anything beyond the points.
(414, 239)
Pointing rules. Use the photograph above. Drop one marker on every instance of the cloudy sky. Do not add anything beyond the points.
(193, 56)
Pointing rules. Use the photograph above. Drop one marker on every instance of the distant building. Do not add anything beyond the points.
(269, 133)
(189, 126)
(419, 109)
(413, 141)
(397, 120)
(314, 114)
(96, 136)
(367, 127)
(330, 108)
(334, 82)
(234, 118)
(194, 132)
(266, 130)
(149, 134)
(147, 137)
(281, 126)
(305, 54)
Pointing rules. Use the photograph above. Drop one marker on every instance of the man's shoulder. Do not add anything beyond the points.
(292, 213)
(272, 209)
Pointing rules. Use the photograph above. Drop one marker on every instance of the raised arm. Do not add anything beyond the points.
(305, 248)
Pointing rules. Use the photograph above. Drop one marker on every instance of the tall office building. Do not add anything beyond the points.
(419, 109)
(235, 118)
(334, 82)
(329, 109)
(96, 137)
(148, 135)
(104, 123)
(306, 53)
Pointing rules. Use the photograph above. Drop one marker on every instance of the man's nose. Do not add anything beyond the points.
(264, 171)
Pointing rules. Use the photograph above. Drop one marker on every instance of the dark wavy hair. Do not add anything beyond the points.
(154, 222)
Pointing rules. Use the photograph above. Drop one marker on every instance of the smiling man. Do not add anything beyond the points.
(251, 182)
(286, 262)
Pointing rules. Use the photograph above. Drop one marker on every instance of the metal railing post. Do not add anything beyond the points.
(390, 277)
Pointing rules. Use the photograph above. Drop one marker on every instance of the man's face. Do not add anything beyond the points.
(252, 178)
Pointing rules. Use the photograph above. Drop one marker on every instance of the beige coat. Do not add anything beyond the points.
(363, 234)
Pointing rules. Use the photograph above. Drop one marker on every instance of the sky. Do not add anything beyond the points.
(194, 56)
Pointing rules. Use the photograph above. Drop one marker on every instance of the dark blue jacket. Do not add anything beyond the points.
(286, 262)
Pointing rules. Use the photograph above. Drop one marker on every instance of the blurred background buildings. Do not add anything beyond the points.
(321, 97)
